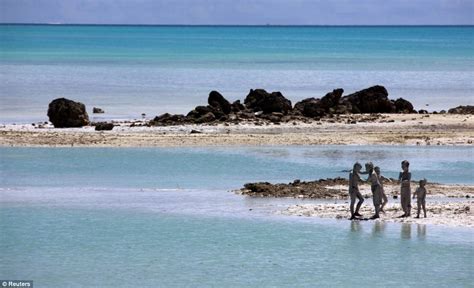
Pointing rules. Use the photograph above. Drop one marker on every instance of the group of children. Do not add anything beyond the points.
(378, 194)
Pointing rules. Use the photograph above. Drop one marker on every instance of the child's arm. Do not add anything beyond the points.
(416, 193)
(406, 180)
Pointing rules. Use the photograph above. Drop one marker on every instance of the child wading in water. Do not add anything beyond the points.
(354, 193)
(420, 194)
(376, 189)
(382, 191)
(405, 190)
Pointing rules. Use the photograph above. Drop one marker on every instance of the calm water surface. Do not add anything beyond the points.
(165, 218)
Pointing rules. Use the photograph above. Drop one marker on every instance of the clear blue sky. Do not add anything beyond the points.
(246, 12)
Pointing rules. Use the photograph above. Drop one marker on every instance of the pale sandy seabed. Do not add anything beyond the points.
(449, 205)
(388, 129)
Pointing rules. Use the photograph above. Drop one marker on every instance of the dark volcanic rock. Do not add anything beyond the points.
(403, 106)
(237, 106)
(311, 189)
(200, 111)
(168, 119)
(310, 107)
(65, 113)
(313, 107)
(218, 101)
(97, 110)
(208, 117)
(468, 109)
(370, 100)
(103, 126)
(331, 100)
(422, 111)
(261, 100)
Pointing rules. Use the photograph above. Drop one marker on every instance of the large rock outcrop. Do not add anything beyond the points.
(403, 106)
(261, 100)
(274, 107)
(370, 100)
(467, 109)
(313, 107)
(65, 113)
(217, 101)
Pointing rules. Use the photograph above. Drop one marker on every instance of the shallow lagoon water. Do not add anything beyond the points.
(86, 217)
(219, 167)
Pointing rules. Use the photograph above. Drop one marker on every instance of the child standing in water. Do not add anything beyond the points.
(420, 194)
(375, 187)
(382, 191)
(405, 190)
(354, 193)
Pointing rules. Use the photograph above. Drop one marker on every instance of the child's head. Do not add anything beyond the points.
(423, 182)
(377, 169)
(369, 166)
(405, 165)
(357, 167)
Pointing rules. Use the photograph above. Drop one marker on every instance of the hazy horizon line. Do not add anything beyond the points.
(239, 25)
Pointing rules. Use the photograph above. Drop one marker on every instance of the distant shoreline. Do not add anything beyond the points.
(390, 129)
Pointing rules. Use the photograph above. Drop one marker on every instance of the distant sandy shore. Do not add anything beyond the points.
(389, 129)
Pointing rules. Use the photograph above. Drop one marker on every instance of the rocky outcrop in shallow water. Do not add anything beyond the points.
(261, 106)
(97, 110)
(298, 189)
(65, 113)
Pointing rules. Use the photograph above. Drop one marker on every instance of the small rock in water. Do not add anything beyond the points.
(104, 126)
(395, 197)
(195, 132)
(97, 110)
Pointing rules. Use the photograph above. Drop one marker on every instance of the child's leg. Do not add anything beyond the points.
(384, 201)
(361, 200)
(353, 200)
(403, 203)
(424, 208)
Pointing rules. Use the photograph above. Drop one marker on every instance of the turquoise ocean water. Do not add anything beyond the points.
(156, 217)
(129, 70)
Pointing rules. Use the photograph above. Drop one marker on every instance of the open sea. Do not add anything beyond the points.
(129, 70)
(166, 217)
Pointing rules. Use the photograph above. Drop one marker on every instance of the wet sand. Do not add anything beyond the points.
(438, 212)
(449, 205)
(388, 129)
